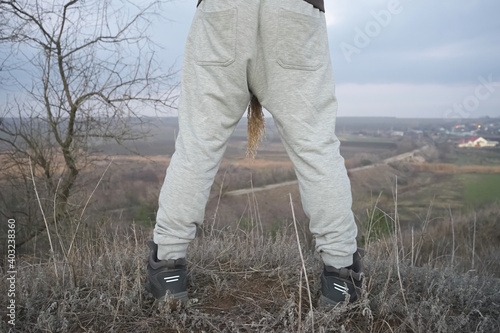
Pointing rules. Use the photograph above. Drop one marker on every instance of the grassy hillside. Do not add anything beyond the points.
(247, 281)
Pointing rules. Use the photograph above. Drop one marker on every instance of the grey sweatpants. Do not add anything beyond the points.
(277, 50)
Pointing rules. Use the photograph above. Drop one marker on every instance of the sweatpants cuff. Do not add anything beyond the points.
(169, 251)
(335, 261)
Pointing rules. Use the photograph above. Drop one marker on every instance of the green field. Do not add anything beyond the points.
(442, 192)
(480, 188)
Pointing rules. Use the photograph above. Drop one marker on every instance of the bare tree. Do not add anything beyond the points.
(79, 72)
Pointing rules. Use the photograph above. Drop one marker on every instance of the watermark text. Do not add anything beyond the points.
(11, 272)
(483, 91)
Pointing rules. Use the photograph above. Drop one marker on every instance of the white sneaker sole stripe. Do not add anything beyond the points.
(340, 288)
(171, 278)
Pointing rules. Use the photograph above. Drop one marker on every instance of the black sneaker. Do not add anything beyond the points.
(338, 284)
(166, 276)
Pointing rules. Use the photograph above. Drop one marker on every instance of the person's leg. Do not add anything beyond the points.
(214, 96)
(295, 83)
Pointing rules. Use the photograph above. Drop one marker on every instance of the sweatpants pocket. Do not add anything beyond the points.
(301, 41)
(215, 37)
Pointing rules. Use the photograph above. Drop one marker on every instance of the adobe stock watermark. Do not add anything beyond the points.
(472, 102)
(11, 272)
(372, 29)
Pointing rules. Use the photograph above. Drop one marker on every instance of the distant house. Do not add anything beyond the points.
(397, 133)
(476, 141)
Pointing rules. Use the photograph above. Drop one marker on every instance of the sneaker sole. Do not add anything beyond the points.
(326, 303)
(181, 297)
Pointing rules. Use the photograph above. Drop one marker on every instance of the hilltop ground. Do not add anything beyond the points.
(243, 281)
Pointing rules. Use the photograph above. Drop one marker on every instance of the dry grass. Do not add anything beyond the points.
(245, 281)
(469, 242)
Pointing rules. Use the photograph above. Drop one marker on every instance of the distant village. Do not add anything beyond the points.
(476, 134)
(463, 133)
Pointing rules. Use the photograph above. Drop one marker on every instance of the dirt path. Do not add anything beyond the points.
(398, 158)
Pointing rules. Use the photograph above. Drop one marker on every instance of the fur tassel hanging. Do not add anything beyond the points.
(256, 126)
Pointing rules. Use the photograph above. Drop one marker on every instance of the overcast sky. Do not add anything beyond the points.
(402, 58)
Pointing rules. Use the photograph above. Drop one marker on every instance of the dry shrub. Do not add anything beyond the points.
(362, 159)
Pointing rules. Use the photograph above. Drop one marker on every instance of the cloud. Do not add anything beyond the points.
(420, 100)
(424, 42)
(427, 57)
(332, 19)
